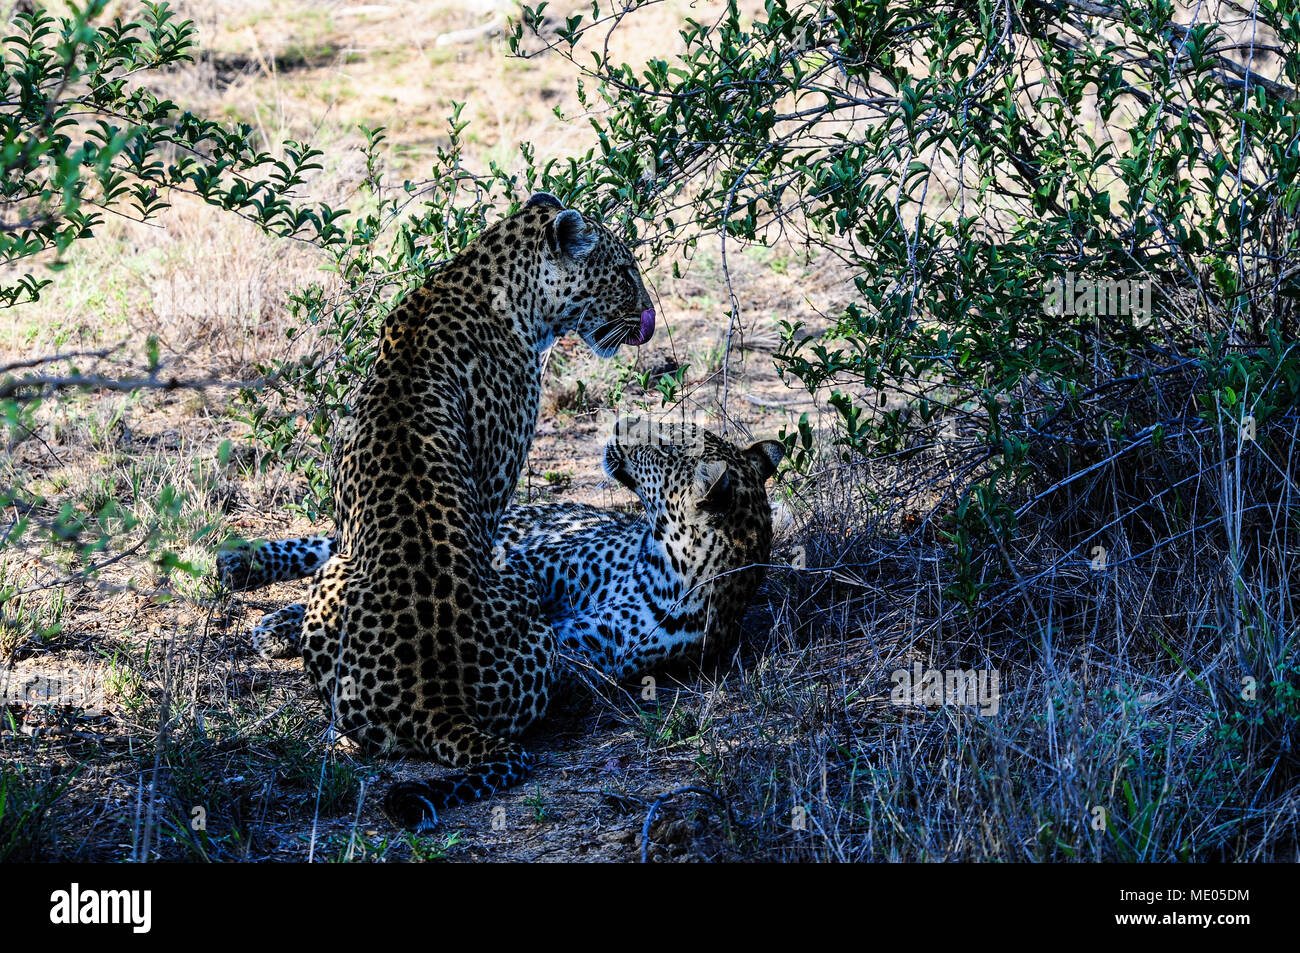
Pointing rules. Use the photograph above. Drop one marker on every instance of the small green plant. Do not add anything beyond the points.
(431, 849)
(669, 385)
(663, 729)
(26, 796)
(800, 446)
(124, 682)
(28, 617)
(537, 801)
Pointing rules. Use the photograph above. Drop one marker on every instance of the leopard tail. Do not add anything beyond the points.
(415, 804)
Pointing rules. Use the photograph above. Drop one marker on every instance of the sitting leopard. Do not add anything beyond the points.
(623, 593)
(416, 640)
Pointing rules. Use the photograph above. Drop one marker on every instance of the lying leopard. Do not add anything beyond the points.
(623, 593)
(416, 640)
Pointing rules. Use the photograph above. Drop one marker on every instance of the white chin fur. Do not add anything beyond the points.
(601, 351)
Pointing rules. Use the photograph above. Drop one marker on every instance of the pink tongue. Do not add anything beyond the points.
(647, 327)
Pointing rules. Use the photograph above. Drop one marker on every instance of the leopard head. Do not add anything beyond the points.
(705, 497)
(591, 281)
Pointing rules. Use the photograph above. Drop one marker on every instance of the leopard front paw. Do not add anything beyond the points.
(408, 805)
(279, 633)
(238, 568)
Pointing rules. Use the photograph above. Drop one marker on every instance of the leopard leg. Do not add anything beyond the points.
(512, 689)
(589, 646)
(257, 563)
(491, 764)
(403, 694)
(328, 659)
(279, 633)
(508, 685)
(623, 641)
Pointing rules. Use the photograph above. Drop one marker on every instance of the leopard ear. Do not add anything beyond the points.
(544, 199)
(765, 456)
(713, 482)
(569, 235)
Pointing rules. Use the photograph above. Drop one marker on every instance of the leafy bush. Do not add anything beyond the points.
(976, 169)
(81, 135)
